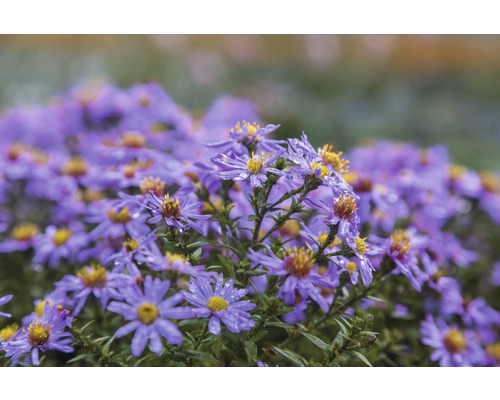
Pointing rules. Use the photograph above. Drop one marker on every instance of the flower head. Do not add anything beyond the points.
(149, 312)
(220, 303)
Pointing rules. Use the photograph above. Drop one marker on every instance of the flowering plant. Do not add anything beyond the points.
(219, 244)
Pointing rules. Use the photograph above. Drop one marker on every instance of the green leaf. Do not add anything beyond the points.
(290, 356)
(196, 245)
(107, 346)
(78, 358)
(201, 356)
(361, 357)
(318, 342)
(251, 350)
(258, 336)
(279, 324)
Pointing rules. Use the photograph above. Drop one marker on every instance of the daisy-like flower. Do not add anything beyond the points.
(361, 264)
(96, 280)
(245, 167)
(5, 300)
(250, 134)
(181, 214)
(297, 265)
(148, 313)
(453, 347)
(221, 303)
(58, 243)
(342, 212)
(41, 335)
(22, 238)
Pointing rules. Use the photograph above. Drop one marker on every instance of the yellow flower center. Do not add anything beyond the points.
(171, 207)
(454, 341)
(456, 171)
(345, 207)
(147, 313)
(15, 151)
(361, 245)
(62, 236)
(400, 242)
(38, 333)
(217, 303)
(490, 182)
(24, 232)
(132, 140)
(251, 128)
(130, 245)
(154, 184)
(334, 159)
(119, 217)
(322, 167)
(172, 257)
(351, 267)
(322, 239)
(40, 307)
(9, 331)
(93, 276)
(75, 167)
(298, 262)
(254, 165)
(291, 228)
(492, 350)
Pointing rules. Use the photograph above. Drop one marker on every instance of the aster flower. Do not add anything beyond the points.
(297, 265)
(181, 214)
(453, 347)
(114, 222)
(133, 251)
(5, 300)
(149, 313)
(95, 280)
(41, 335)
(401, 248)
(343, 213)
(253, 168)
(22, 238)
(57, 244)
(220, 303)
(250, 134)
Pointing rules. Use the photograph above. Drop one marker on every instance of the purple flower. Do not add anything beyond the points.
(5, 300)
(41, 335)
(453, 347)
(221, 303)
(297, 266)
(23, 237)
(148, 312)
(240, 167)
(174, 212)
(342, 212)
(56, 244)
(94, 280)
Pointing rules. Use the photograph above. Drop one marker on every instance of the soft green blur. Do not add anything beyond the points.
(345, 90)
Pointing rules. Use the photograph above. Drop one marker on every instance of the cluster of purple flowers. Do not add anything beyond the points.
(419, 207)
(123, 193)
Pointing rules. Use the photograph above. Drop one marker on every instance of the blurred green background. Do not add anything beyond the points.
(341, 89)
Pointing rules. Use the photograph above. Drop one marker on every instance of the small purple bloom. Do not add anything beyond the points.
(174, 212)
(221, 303)
(148, 312)
(94, 280)
(453, 347)
(240, 167)
(41, 335)
(297, 266)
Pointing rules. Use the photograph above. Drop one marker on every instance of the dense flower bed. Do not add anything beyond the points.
(133, 233)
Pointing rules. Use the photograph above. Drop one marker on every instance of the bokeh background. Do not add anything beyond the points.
(342, 89)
